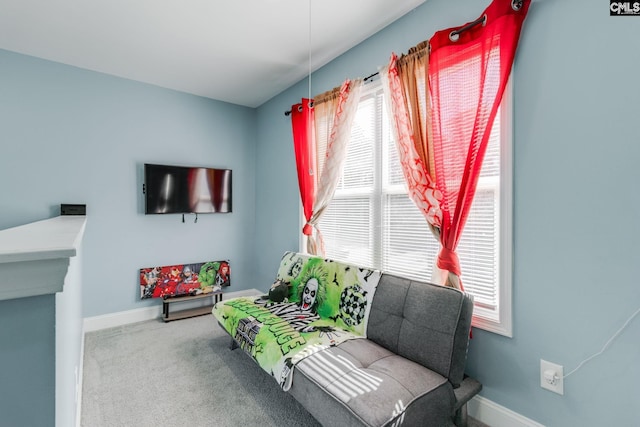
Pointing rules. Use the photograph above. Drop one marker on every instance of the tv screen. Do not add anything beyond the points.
(181, 189)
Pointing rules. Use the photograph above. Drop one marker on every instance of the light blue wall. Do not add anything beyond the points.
(576, 213)
(74, 136)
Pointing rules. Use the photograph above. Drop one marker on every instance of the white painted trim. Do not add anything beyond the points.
(79, 383)
(245, 293)
(494, 415)
(96, 323)
(51, 238)
(499, 320)
(34, 258)
(112, 320)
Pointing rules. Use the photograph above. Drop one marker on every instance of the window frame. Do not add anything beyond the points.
(502, 322)
(499, 321)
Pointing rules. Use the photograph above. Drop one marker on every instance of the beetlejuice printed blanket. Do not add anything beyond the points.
(328, 303)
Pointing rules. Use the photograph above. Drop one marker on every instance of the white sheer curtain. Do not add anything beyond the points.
(334, 114)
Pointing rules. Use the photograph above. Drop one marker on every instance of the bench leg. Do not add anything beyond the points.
(233, 345)
(460, 417)
(165, 309)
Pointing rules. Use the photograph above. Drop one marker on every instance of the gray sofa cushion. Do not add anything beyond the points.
(425, 323)
(372, 385)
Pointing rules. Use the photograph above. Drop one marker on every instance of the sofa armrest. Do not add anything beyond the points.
(469, 387)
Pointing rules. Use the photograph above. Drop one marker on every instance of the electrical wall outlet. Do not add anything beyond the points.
(551, 377)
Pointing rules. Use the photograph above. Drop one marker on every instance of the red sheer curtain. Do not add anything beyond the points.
(304, 143)
(468, 70)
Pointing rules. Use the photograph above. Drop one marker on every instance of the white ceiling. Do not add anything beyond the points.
(239, 51)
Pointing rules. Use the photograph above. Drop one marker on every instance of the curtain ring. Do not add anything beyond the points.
(454, 35)
(300, 108)
(516, 5)
(310, 104)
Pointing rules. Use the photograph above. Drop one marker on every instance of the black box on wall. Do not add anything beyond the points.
(67, 209)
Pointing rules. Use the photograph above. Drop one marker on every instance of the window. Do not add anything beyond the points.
(373, 222)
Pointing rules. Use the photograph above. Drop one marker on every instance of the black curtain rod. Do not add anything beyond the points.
(371, 76)
(288, 112)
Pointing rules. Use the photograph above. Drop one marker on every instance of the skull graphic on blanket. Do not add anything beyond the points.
(301, 313)
(333, 290)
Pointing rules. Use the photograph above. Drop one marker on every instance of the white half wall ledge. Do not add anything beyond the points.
(34, 258)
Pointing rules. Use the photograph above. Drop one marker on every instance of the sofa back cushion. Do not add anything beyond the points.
(425, 323)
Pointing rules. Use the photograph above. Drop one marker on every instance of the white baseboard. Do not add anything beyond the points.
(120, 318)
(494, 415)
(245, 293)
(96, 323)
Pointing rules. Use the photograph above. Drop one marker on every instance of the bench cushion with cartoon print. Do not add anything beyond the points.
(358, 347)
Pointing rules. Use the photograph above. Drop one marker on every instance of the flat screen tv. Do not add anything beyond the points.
(182, 189)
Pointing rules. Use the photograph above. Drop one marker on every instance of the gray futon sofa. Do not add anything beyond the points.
(409, 370)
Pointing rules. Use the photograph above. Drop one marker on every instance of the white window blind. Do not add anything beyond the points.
(373, 222)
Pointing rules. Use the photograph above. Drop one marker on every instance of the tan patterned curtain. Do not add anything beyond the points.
(405, 84)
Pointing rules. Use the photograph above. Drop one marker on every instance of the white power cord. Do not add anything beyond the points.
(607, 343)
